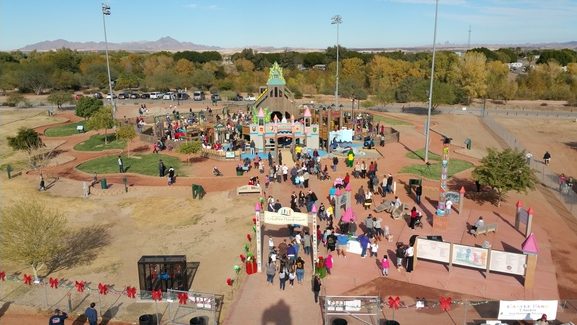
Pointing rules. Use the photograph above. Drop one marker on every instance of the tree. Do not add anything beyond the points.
(26, 140)
(190, 147)
(101, 119)
(31, 233)
(58, 98)
(86, 106)
(127, 133)
(505, 171)
(470, 74)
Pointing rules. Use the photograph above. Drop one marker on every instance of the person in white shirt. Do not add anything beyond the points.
(448, 206)
(479, 224)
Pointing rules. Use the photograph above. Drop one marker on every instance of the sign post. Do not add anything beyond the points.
(258, 238)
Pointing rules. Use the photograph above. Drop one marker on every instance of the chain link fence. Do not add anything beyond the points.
(564, 191)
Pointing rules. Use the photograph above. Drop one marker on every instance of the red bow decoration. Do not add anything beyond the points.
(27, 279)
(445, 303)
(79, 286)
(3, 276)
(156, 295)
(254, 220)
(102, 289)
(131, 292)
(395, 302)
(242, 258)
(53, 282)
(229, 281)
(182, 298)
(248, 237)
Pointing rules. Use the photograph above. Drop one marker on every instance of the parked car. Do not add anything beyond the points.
(98, 95)
(111, 96)
(134, 96)
(182, 96)
(145, 96)
(123, 96)
(215, 97)
(168, 96)
(198, 95)
(250, 97)
(156, 95)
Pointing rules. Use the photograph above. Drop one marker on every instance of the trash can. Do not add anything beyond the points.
(199, 321)
(468, 143)
(239, 172)
(103, 184)
(146, 319)
(339, 321)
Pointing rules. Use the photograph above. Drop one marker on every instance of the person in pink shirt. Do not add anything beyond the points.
(385, 265)
(329, 263)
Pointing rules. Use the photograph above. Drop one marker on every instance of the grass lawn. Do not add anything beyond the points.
(388, 120)
(420, 155)
(64, 130)
(434, 170)
(139, 164)
(96, 143)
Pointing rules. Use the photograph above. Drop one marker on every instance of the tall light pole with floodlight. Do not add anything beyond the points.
(430, 106)
(337, 20)
(106, 12)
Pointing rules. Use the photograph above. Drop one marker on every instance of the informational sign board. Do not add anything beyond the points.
(512, 263)
(470, 256)
(229, 155)
(354, 247)
(433, 250)
(455, 197)
(286, 216)
(527, 309)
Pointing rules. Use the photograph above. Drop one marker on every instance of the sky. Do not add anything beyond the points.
(292, 23)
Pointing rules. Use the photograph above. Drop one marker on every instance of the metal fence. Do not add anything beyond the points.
(548, 177)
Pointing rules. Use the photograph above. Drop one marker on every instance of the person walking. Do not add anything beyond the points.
(335, 163)
(91, 314)
(329, 263)
(448, 207)
(385, 265)
(282, 276)
(418, 193)
(292, 275)
(400, 252)
(410, 255)
(58, 317)
(120, 164)
(171, 176)
(161, 168)
(547, 158)
(42, 186)
(270, 271)
(317, 287)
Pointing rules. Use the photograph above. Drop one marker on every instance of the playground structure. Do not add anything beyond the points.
(269, 129)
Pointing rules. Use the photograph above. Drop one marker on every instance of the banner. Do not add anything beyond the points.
(527, 309)
(286, 216)
(512, 263)
(433, 250)
(470, 256)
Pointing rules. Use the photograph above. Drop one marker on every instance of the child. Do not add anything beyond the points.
(292, 275)
(385, 265)
(374, 249)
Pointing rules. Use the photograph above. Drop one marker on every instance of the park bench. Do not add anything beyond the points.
(485, 229)
(399, 213)
(248, 189)
(384, 206)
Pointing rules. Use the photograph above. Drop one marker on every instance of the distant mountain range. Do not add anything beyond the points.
(172, 45)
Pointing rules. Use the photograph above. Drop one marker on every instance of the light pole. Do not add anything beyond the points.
(337, 20)
(430, 106)
(106, 12)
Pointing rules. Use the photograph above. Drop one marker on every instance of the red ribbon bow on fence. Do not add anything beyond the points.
(394, 302)
(3, 276)
(445, 303)
(131, 292)
(229, 281)
(27, 279)
(102, 289)
(182, 298)
(79, 286)
(248, 237)
(242, 258)
(254, 221)
(156, 295)
(53, 282)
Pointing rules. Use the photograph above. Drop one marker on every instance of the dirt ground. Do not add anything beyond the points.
(154, 219)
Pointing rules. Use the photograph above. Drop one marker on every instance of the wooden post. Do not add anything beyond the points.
(415, 253)
(461, 198)
(529, 221)
(530, 271)
(519, 206)
(258, 238)
(450, 256)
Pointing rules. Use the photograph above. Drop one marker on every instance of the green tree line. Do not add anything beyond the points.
(387, 76)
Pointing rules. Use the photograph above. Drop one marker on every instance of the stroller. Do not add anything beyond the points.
(216, 172)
